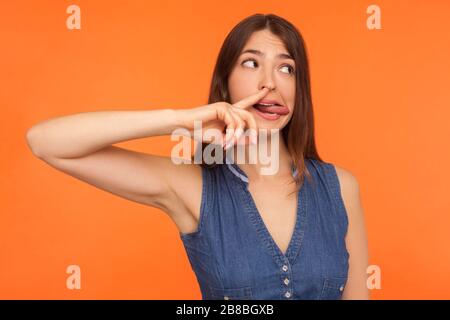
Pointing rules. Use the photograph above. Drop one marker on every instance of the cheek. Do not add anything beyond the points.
(290, 94)
(289, 117)
(240, 86)
(287, 91)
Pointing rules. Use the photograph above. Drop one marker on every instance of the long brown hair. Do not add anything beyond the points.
(298, 134)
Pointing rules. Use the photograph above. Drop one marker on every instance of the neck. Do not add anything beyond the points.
(266, 162)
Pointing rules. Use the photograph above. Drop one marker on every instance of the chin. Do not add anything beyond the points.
(279, 123)
(268, 126)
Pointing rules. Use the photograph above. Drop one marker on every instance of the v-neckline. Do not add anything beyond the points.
(261, 228)
(259, 216)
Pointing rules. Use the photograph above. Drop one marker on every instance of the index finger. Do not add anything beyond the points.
(251, 100)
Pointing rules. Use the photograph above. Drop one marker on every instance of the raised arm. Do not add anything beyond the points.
(81, 145)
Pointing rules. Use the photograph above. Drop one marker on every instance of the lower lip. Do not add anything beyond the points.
(268, 116)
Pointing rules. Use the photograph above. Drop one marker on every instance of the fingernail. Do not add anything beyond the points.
(227, 137)
(253, 136)
(224, 142)
(228, 144)
(238, 133)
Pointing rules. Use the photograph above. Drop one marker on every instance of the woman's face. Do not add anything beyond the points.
(267, 64)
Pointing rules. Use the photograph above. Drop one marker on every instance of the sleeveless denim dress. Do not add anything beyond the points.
(234, 256)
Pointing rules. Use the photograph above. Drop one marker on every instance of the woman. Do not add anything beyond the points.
(296, 233)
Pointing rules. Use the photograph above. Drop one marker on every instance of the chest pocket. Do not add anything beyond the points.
(333, 288)
(243, 293)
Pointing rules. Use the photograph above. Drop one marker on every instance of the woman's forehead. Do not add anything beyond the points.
(263, 41)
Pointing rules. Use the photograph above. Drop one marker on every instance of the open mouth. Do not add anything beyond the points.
(271, 108)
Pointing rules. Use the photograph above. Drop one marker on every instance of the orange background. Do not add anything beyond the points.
(381, 101)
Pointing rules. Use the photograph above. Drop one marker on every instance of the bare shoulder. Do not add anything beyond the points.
(350, 191)
(349, 183)
(157, 181)
(186, 184)
(356, 238)
(183, 200)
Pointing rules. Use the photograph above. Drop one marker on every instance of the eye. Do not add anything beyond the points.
(249, 60)
(291, 68)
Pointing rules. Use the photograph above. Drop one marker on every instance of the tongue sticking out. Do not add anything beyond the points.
(277, 109)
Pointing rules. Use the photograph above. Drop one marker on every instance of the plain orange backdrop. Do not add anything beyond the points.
(381, 101)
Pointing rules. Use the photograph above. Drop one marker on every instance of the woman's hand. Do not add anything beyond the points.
(223, 116)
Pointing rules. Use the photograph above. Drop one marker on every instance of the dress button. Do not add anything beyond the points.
(287, 294)
(285, 268)
(341, 288)
(226, 298)
(286, 281)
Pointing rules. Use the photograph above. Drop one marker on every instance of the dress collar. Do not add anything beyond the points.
(238, 172)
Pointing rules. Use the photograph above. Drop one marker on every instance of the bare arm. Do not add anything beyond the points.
(80, 145)
(356, 239)
(80, 134)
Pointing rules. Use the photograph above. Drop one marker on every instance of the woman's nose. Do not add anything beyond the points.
(270, 87)
(267, 81)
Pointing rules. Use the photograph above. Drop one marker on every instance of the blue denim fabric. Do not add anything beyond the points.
(234, 256)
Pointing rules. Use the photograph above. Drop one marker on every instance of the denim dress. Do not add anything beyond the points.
(234, 256)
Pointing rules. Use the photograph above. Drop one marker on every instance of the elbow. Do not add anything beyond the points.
(32, 138)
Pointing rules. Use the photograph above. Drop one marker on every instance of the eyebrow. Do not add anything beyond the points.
(259, 53)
